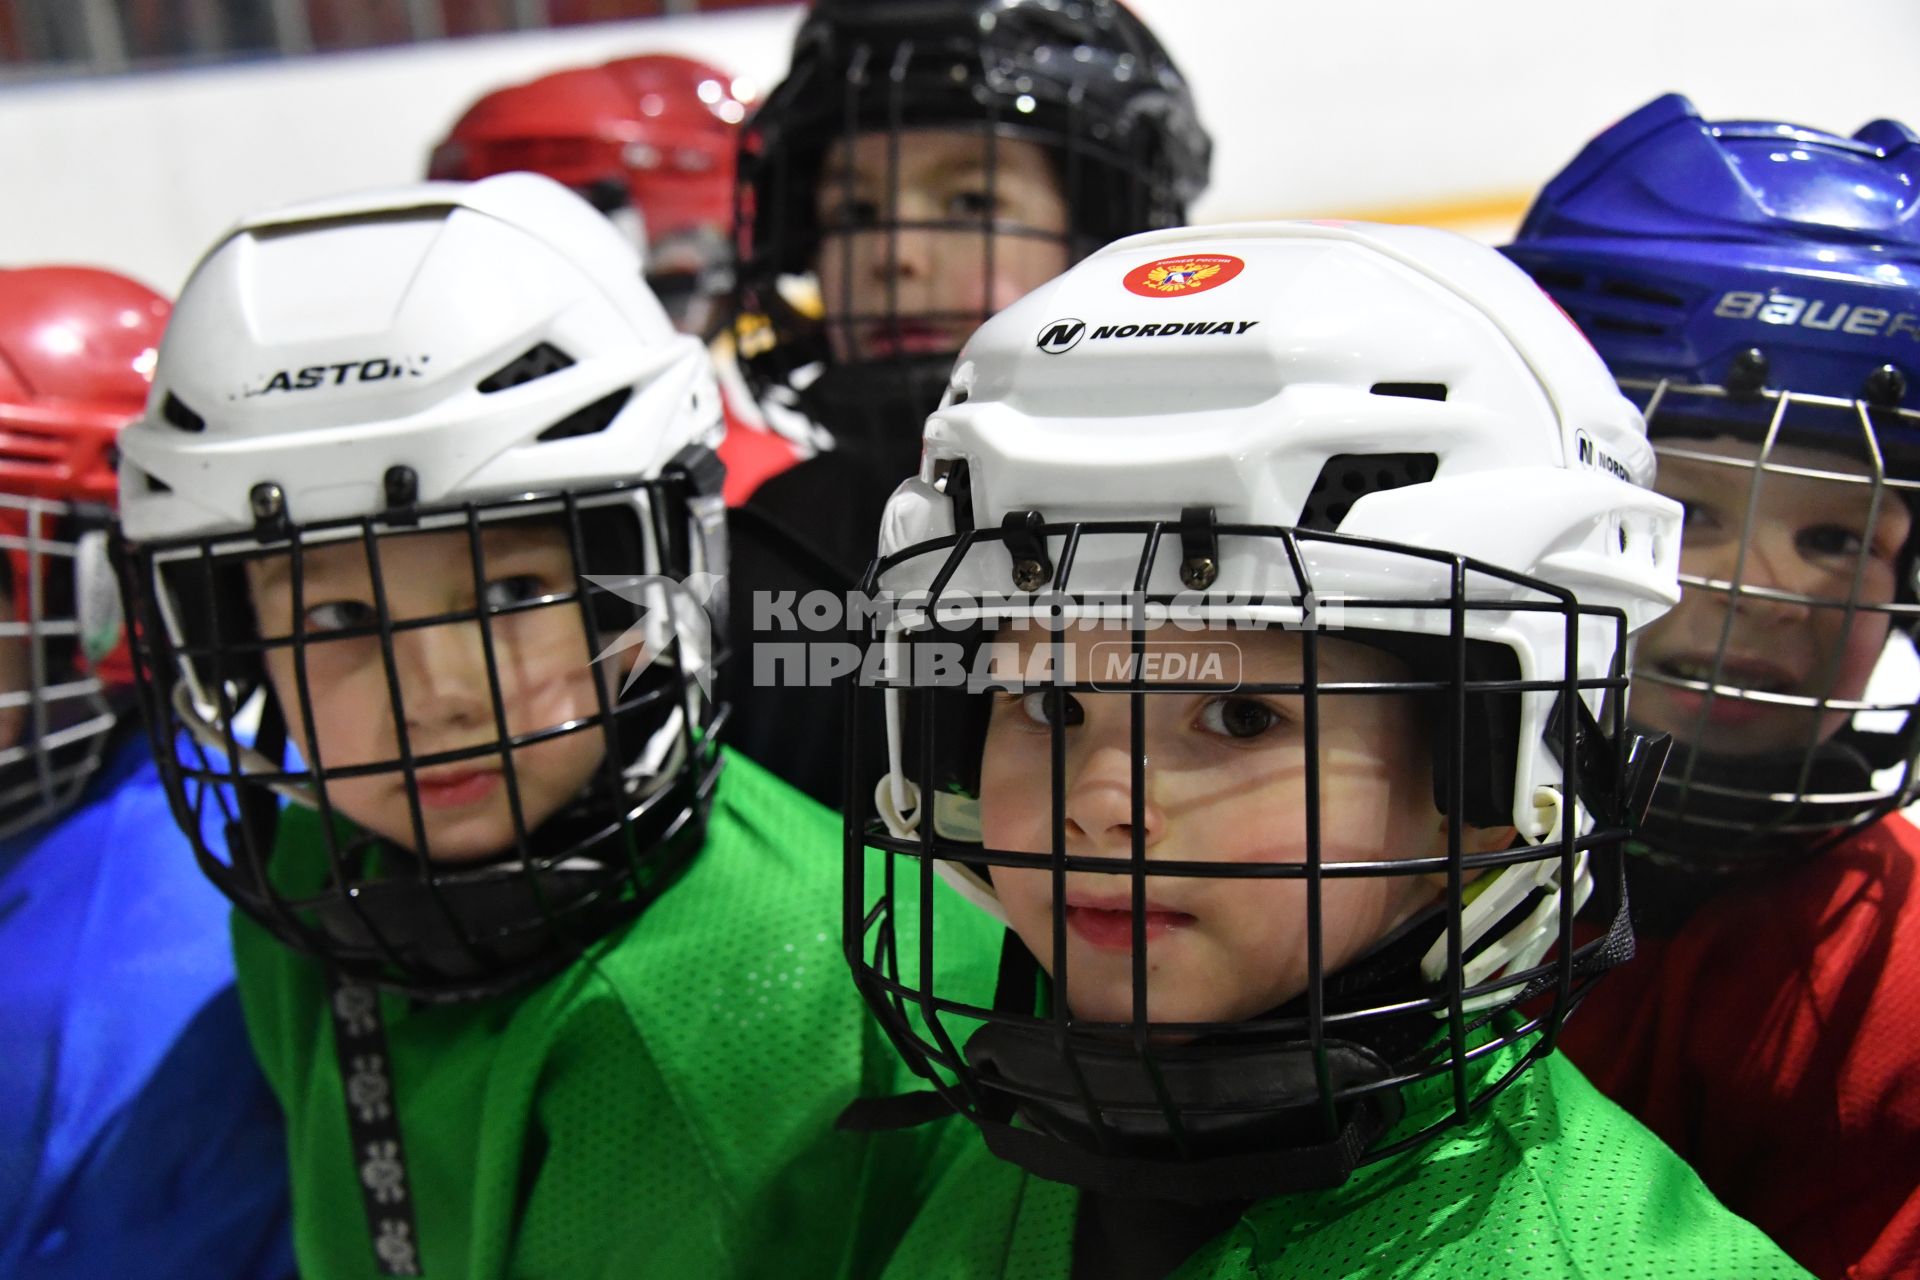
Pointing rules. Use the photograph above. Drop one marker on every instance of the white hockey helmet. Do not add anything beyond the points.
(435, 357)
(1388, 431)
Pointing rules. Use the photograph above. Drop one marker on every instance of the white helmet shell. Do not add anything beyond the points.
(316, 347)
(1224, 367)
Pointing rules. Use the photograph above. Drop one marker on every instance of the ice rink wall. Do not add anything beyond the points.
(1414, 110)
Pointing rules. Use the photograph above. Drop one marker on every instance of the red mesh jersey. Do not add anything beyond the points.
(1775, 1044)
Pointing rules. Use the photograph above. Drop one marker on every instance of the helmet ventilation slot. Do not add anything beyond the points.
(1348, 477)
(533, 363)
(590, 420)
(1410, 390)
(178, 415)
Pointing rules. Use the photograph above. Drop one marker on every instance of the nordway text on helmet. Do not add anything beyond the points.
(1057, 337)
(1816, 313)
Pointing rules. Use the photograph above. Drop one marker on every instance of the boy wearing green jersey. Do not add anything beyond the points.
(1295, 566)
(423, 550)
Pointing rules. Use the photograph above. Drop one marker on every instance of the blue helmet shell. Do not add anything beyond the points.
(1677, 244)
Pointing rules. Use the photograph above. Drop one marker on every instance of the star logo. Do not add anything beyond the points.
(674, 623)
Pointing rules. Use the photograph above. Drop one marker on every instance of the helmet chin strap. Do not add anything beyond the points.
(1492, 900)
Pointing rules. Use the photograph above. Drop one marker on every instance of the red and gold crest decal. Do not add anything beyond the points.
(1190, 273)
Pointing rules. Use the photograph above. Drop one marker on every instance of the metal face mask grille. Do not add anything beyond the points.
(1296, 1095)
(53, 709)
(842, 273)
(352, 856)
(1790, 596)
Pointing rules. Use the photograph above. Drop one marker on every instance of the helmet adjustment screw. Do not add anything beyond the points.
(1199, 548)
(1029, 575)
(1886, 387)
(269, 503)
(402, 487)
(1032, 567)
(1199, 572)
(1748, 375)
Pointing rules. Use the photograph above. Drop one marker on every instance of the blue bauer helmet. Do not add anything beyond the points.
(1755, 286)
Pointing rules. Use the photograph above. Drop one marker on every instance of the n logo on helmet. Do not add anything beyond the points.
(1060, 336)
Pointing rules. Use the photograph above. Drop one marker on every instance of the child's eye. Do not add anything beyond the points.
(1237, 717)
(1696, 516)
(503, 593)
(973, 205)
(340, 615)
(850, 215)
(1831, 540)
(1049, 707)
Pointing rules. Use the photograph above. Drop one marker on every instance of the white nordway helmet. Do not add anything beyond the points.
(1384, 431)
(441, 356)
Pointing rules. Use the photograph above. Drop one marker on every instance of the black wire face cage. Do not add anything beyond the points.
(1777, 760)
(1083, 80)
(55, 711)
(1295, 1097)
(268, 813)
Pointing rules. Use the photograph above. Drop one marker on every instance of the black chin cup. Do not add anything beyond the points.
(1718, 814)
(879, 407)
(441, 932)
(1228, 1120)
(506, 918)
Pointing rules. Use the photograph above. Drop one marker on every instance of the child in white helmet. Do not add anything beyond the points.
(1296, 564)
(422, 540)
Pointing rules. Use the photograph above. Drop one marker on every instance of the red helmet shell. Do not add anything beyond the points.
(77, 349)
(663, 124)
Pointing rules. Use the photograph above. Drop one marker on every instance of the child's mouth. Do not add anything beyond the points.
(1113, 930)
(455, 790)
(1727, 711)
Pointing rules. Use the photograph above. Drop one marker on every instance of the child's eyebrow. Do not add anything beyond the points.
(273, 570)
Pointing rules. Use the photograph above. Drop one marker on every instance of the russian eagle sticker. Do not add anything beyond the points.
(1189, 273)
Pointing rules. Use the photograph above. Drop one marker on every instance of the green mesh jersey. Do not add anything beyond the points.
(1552, 1180)
(664, 1107)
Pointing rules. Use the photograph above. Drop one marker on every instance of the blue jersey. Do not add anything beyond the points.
(137, 1136)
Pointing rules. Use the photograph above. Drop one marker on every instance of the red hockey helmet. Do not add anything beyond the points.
(680, 164)
(658, 128)
(77, 350)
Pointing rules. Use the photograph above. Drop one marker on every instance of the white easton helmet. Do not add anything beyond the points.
(438, 356)
(1386, 430)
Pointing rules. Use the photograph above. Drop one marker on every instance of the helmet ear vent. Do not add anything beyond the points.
(591, 420)
(1635, 291)
(1411, 390)
(1348, 477)
(535, 362)
(176, 414)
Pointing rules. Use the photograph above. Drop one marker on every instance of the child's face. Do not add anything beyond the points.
(1225, 781)
(938, 283)
(1807, 537)
(541, 656)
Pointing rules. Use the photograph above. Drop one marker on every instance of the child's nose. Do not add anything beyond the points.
(1099, 801)
(1774, 563)
(442, 674)
(905, 253)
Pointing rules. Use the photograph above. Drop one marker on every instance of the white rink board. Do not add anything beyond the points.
(1383, 108)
